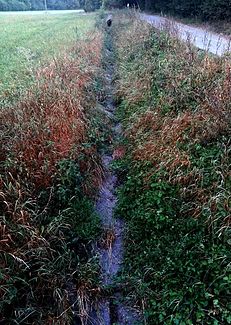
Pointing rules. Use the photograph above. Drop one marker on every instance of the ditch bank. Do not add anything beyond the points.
(175, 198)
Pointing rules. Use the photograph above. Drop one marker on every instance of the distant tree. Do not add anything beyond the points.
(14, 5)
(73, 4)
(92, 5)
(216, 9)
(123, 3)
(3, 5)
(37, 4)
(18, 5)
(205, 9)
(89, 5)
(148, 5)
(63, 4)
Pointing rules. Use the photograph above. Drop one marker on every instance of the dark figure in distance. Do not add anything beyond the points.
(109, 20)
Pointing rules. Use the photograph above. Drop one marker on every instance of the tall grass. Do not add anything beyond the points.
(175, 110)
(29, 41)
(50, 168)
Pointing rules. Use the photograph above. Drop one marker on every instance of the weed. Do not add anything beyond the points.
(175, 110)
(50, 171)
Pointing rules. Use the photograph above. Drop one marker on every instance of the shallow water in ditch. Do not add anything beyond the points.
(111, 310)
(111, 257)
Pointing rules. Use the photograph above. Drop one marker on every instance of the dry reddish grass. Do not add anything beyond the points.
(50, 124)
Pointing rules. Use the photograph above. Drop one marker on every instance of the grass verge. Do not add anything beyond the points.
(50, 171)
(174, 104)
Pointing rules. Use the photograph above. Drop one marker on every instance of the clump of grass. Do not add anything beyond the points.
(50, 170)
(175, 110)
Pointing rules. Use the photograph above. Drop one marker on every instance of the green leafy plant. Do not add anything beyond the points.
(175, 110)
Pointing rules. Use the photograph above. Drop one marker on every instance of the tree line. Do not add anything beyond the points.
(19, 5)
(203, 9)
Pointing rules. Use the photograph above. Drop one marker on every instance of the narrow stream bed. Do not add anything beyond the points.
(108, 307)
(110, 310)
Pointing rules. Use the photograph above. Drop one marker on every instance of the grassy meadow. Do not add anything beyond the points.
(32, 40)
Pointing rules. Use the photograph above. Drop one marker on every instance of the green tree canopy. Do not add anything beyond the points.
(18, 5)
(204, 9)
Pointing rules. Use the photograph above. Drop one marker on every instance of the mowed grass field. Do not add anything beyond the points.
(29, 41)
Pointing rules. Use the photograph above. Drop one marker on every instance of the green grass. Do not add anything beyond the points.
(175, 193)
(51, 253)
(29, 41)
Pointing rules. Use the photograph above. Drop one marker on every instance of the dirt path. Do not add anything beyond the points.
(201, 38)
